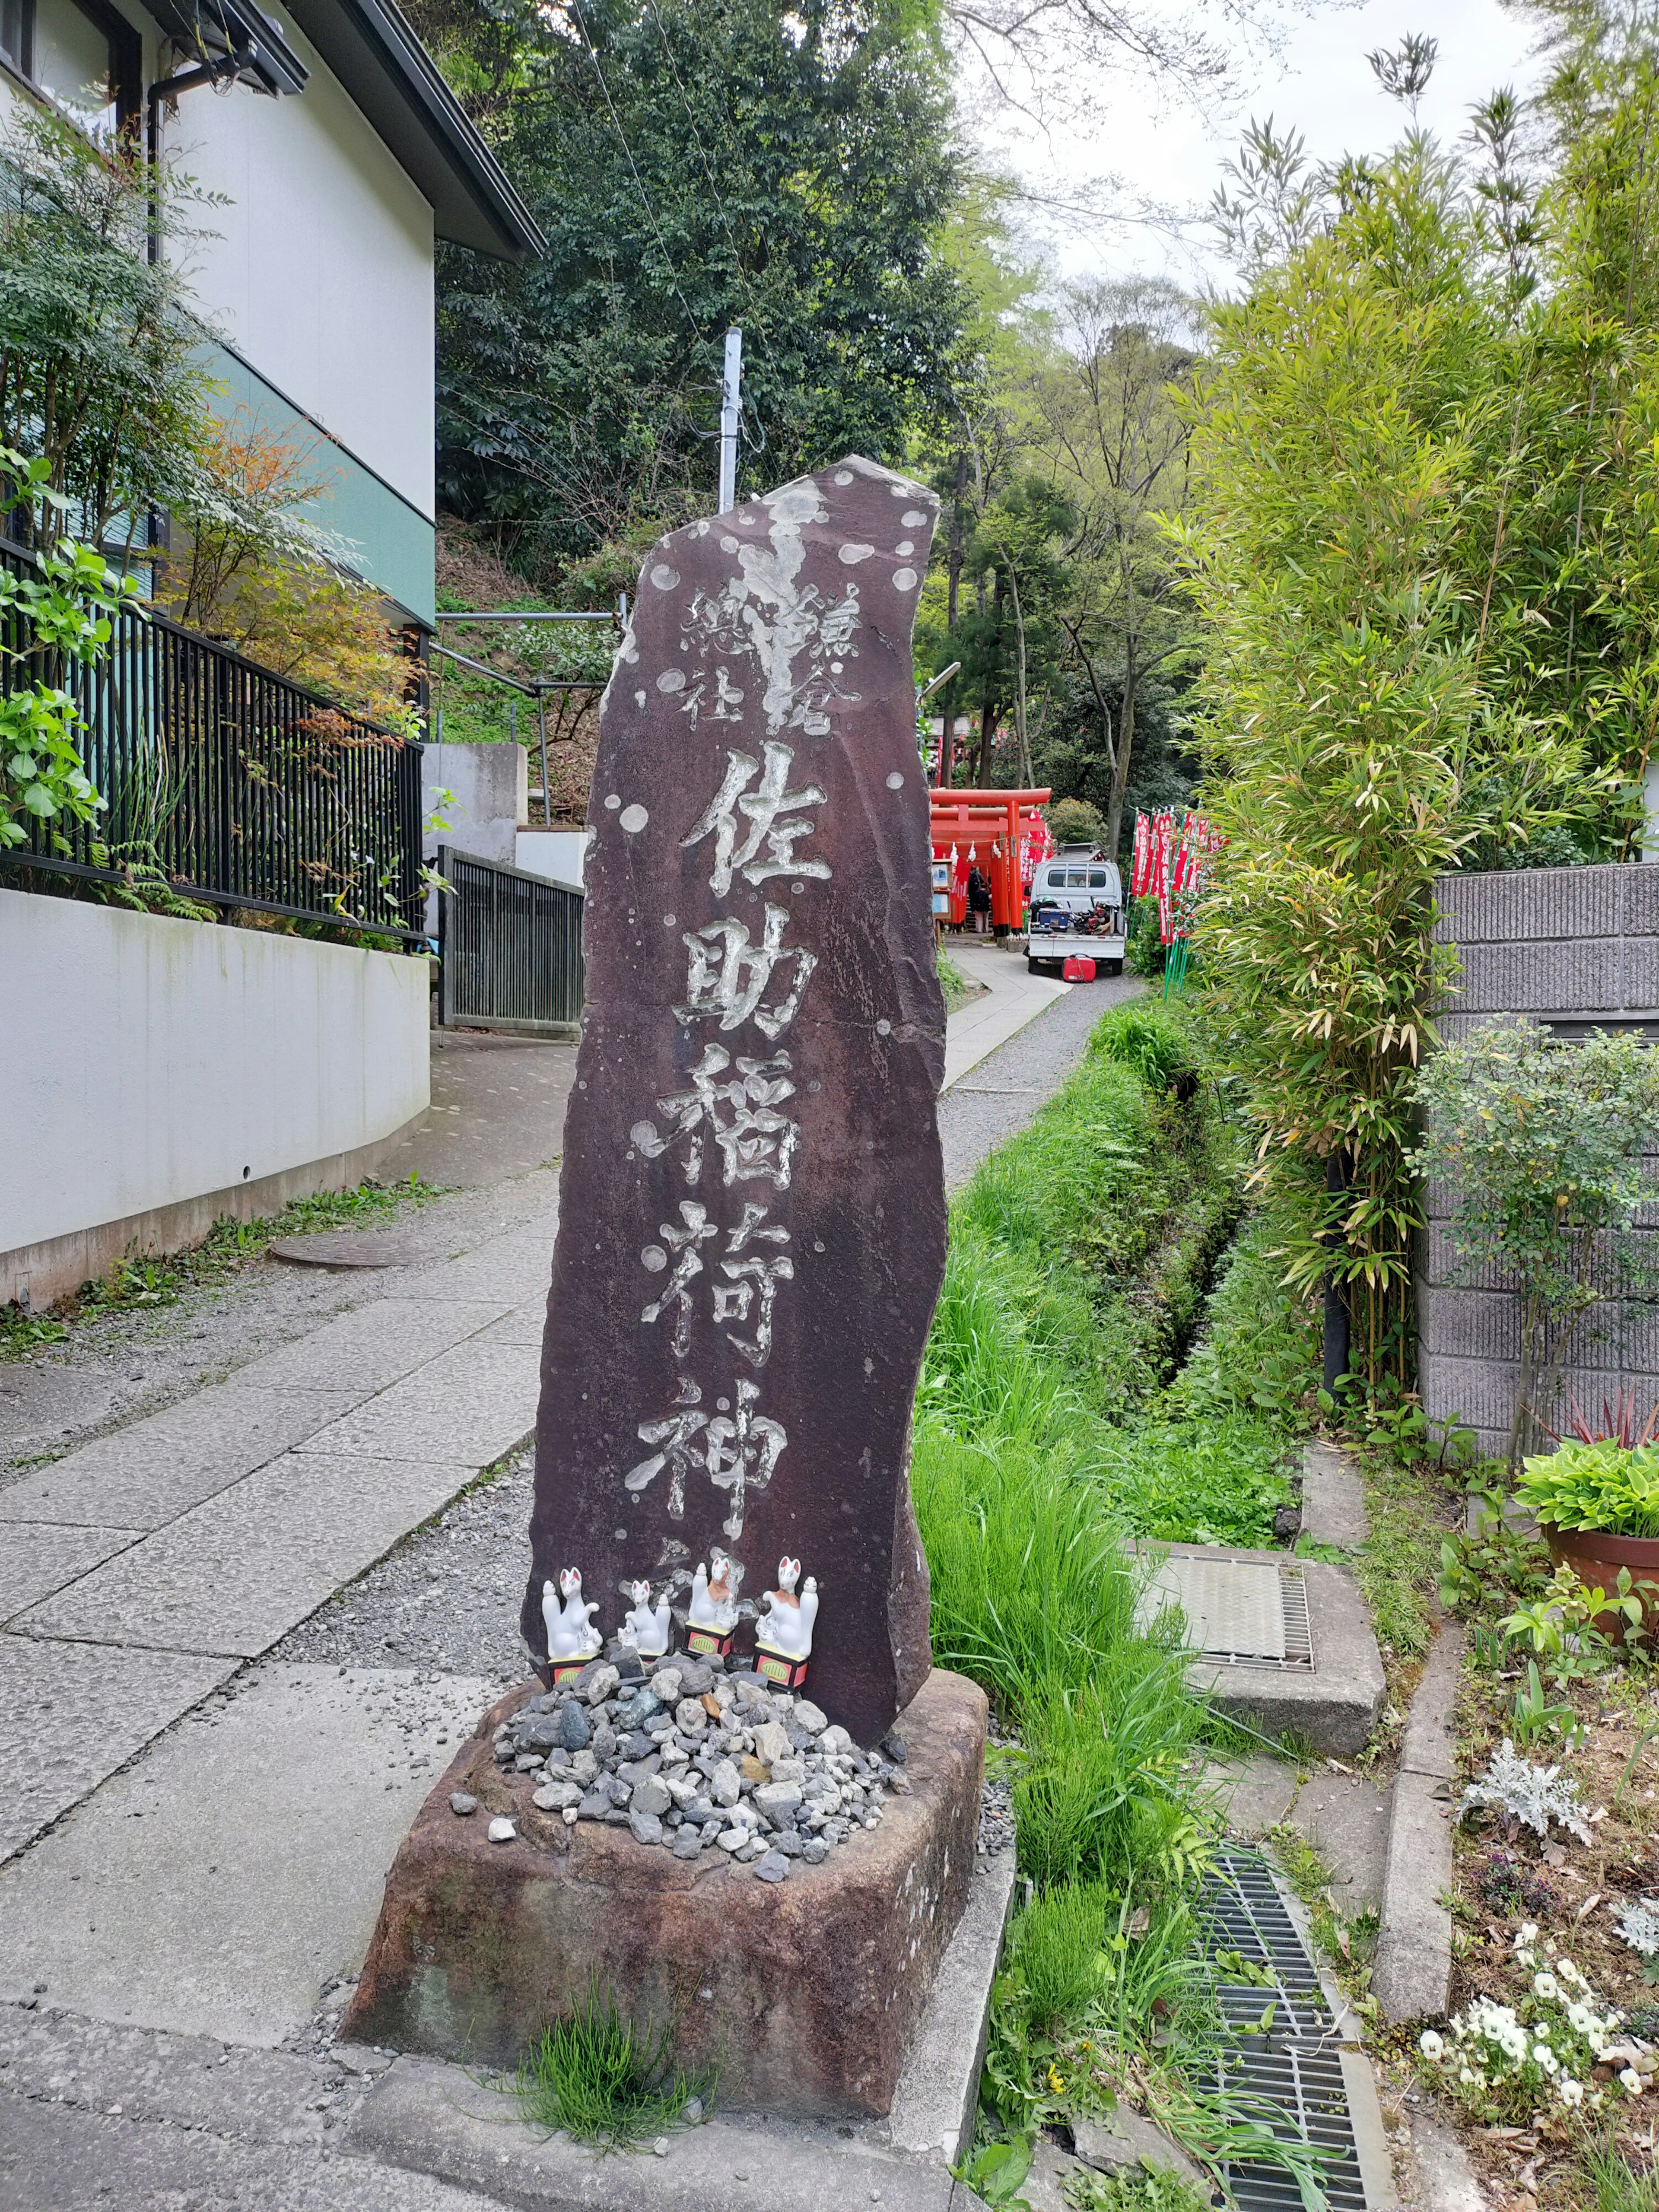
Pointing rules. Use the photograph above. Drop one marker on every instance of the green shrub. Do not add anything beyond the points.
(1074, 822)
(1603, 1486)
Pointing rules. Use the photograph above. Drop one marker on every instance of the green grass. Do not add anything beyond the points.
(1611, 2183)
(1033, 1597)
(1261, 1351)
(954, 985)
(594, 2077)
(130, 1284)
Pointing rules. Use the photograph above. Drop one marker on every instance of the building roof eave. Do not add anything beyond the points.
(393, 79)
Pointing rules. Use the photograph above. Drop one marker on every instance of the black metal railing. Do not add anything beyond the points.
(235, 787)
(510, 948)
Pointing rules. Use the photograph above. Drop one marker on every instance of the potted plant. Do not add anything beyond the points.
(1596, 1499)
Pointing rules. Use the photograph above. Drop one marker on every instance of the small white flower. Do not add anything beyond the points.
(1465, 2076)
(1572, 2092)
(1527, 1933)
(1547, 1985)
(1544, 2057)
(1431, 2044)
(1630, 2080)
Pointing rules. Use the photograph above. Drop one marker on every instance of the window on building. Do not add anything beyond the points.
(81, 53)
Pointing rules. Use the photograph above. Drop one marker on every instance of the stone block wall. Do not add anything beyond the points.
(1576, 949)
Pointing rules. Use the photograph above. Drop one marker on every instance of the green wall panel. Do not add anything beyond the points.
(390, 542)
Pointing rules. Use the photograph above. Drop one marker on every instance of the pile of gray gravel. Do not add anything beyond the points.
(696, 1758)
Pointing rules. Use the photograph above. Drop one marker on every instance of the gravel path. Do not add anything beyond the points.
(1001, 1095)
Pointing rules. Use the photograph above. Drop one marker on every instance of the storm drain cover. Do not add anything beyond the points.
(1279, 2060)
(1243, 1612)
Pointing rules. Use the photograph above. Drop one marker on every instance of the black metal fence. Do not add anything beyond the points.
(236, 786)
(510, 948)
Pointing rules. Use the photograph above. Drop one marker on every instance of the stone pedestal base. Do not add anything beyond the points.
(801, 1994)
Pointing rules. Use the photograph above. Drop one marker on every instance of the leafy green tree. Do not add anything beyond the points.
(1115, 440)
(696, 164)
(101, 374)
(1007, 634)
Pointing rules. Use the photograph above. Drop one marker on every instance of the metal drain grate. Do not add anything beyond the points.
(1297, 2093)
(1240, 1612)
(1243, 1911)
(1290, 2074)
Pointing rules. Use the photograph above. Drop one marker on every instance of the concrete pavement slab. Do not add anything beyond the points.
(435, 2119)
(186, 2081)
(1334, 1497)
(145, 1475)
(515, 1268)
(373, 1346)
(1411, 1976)
(470, 1375)
(39, 1557)
(55, 2159)
(234, 1574)
(1256, 1794)
(524, 1325)
(220, 1883)
(1345, 1818)
(1013, 997)
(481, 1421)
(72, 1713)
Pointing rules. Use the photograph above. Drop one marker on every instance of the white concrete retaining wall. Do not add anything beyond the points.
(556, 855)
(155, 1073)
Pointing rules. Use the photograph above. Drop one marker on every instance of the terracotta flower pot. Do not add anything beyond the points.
(1596, 1560)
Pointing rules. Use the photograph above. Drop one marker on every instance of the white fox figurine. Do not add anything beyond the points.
(570, 1631)
(646, 1629)
(785, 1626)
(714, 1600)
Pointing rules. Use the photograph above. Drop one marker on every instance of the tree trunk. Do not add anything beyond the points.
(958, 547)
(1126, 738)
(954, 558)
(987, 716)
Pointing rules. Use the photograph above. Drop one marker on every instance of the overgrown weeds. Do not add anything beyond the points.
(594, 2076)
(130, 1285)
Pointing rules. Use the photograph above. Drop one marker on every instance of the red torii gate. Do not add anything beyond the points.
(993, 823)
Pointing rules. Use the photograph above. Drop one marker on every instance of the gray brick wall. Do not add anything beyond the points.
(1573, 948)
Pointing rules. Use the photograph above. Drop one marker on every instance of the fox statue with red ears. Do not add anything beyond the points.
(783, 1633)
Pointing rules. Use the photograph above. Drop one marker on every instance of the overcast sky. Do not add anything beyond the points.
(1320, 84)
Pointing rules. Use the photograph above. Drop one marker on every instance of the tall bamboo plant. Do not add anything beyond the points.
(1342, 701)
(1424, 548)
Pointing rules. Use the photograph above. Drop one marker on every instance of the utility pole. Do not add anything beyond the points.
(730, 403)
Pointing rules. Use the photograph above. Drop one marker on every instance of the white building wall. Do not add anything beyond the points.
(150, 1061)
(322, 275)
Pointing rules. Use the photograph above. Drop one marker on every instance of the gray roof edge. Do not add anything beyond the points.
(433, 108)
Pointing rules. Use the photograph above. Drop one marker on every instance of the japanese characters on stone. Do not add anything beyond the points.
(751, 1226)
(732, 1132)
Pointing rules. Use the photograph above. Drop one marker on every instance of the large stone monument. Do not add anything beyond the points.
(751, 1243)
(751, 1227)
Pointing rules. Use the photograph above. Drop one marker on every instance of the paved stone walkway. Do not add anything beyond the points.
(194, 1827)
(143, 1569)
